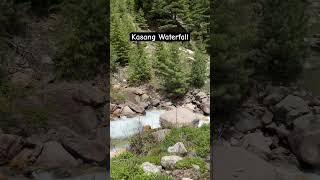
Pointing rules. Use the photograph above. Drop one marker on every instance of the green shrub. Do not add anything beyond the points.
(187, 163)
(127, 166)
(195, 139)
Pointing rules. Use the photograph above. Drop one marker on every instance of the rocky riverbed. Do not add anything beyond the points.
(274, 135)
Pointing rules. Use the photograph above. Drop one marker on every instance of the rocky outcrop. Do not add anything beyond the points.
(178, 149)
(11, 145)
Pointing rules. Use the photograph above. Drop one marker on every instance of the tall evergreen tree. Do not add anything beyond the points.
(83, 47)
(172, 72)
(139, 66)
(230, 48)
(281, 45)
(198, 73)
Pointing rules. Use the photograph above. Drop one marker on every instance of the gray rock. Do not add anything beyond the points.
(160, 135)
(126, 111)
(88, 119)
(54, 155)
(155, 102)
(169, 162)
(291, 107)
(200, 96)
(10, 146)
(136, 107)
(150, 168)
(89, 95)
(267, 117)
(306, 146)
(258, 144)
(235, 163)
(178, 149)
(145, 97)
(205, 107)
(178, 117)
(246, 122)
(274, 95)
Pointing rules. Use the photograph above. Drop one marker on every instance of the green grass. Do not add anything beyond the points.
(127, 166)
(146, 149)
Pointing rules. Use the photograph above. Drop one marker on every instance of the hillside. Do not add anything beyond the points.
(160, 94)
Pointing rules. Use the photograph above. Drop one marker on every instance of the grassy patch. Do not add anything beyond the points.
(195, 139)
(144, 148)
(188, 163)
(127, 166)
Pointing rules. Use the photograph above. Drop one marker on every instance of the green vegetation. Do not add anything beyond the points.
(83, 46)
(127, 166)
(198, 70)
(255, 40)
(144, 148)
(139, 66)
(167, 64)
(281, 45)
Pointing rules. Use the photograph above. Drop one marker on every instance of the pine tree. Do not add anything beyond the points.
(199, 69)
(139, 66)
(281, 45)
(82, 51)
(141, 20)
(229, 51)
(172, 72)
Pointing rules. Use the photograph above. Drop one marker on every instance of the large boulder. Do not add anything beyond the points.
(136, 108)
(178, 117)
(89, 150)
(126, 111)
(291, 107)
(10, 145)
(247, 122)
(305, 144)
(89, 95)
(235, 163)
(258, 143)
(54, 155)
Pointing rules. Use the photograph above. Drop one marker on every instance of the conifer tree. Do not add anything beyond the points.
(229, 51)
(82, 50)
(281, 45)
(198, 74)
(139, 66)
(172, 72)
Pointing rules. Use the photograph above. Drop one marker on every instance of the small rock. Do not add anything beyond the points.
(136, 108)
(150, 168)
(155, 102)
(126, 111)
(169, 162)
(178, 149)
(145, 98)
(186, 179)
(161, 134)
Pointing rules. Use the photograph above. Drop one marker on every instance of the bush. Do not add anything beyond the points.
(188, 163)
(195, 139)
